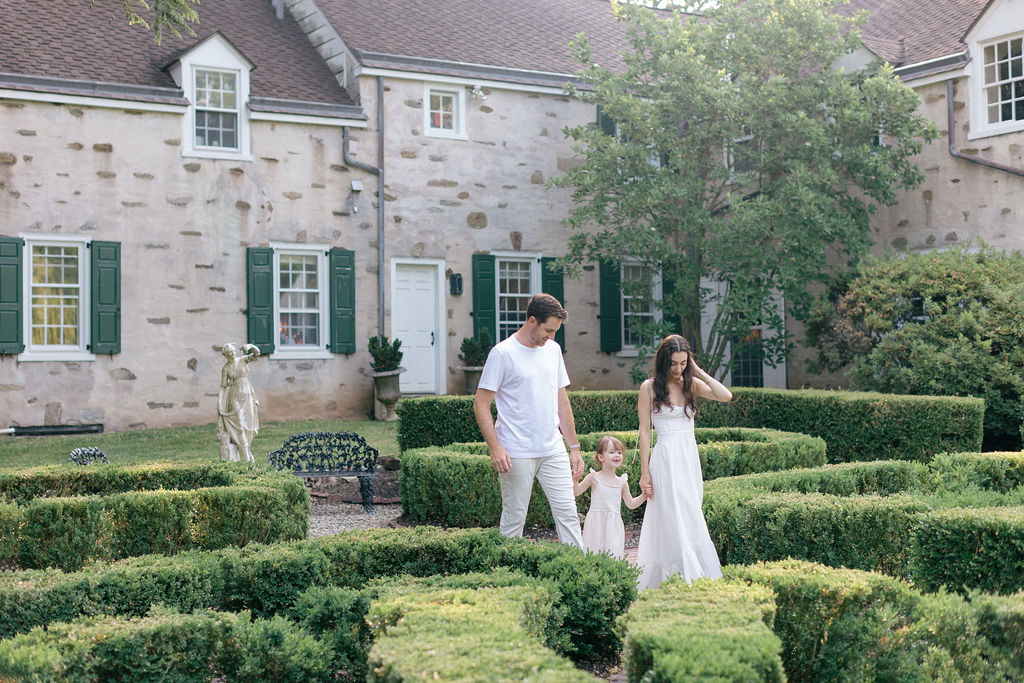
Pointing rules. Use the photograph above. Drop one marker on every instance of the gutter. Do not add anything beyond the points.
(378, 171)
(951, 136)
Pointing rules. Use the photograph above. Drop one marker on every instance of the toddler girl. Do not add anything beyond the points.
(603, 531)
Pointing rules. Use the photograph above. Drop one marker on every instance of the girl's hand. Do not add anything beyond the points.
(646, 485)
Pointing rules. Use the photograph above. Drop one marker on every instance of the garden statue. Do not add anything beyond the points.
(238, 420)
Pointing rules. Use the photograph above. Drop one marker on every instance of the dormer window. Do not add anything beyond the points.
(1004, 80)
(216, 109)
(214, 77)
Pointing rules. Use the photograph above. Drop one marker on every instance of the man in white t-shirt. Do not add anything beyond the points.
(526, 377)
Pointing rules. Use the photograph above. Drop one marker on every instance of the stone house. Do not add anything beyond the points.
(965, 60)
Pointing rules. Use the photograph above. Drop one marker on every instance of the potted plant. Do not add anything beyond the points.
(473, 356)
(387, 356)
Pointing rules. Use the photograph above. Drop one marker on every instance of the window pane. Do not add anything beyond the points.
(637, 311)
(442, 110)
(55, 295)
(299, 300)
(515, 288)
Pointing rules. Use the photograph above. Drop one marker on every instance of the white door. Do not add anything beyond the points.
(414, 315)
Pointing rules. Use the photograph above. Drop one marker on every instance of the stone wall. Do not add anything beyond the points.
(183, 224)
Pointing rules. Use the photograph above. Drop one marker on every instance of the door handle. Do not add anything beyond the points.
(431, 337)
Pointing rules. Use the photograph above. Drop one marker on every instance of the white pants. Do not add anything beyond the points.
(555, 477)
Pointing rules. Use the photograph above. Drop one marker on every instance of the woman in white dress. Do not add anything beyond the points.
(674, 537)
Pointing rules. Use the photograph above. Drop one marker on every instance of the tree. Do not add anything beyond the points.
(945, 323)
(167, 15)
(741, 163)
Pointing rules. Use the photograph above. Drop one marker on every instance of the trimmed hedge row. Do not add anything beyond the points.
(429, 631)
(457, 486)
(708, 630)
(922, 522)
(856, 426)
(834, 624)
(266, 580)
(166, 646)
(96, 516)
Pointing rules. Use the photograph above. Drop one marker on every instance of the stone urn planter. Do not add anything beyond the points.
(386, 389)
(472, 373)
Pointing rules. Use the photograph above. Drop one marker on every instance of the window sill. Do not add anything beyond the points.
(55, 356)
(627, 353)
(445, 135)
(302, 354)
(1007, 129)
(215, 154)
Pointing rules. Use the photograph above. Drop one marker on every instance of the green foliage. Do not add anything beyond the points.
(707, 630)
(474, 351)
(855, 426)
(901, 518)
(167, 15)
(592, 590)
(166, 646)
(386, 355)
(749, 82)
(946, 323)
(67, 516)
(457, 486)
(843, 624)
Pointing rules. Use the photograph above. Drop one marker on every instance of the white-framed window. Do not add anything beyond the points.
(217, 113)
(56, 312)
(740, 156)
(301, 301)
(214, 77)
(636, 308)
(1003, 81)
(444, 111)
(516, 279)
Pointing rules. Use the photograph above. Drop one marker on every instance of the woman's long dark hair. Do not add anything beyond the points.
(673, 343)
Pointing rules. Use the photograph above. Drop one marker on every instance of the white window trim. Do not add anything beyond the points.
(214, 54)
(979, 125)
(307, 351)
(632, 350)
(460, 112)
(533, 258)
(85, 302)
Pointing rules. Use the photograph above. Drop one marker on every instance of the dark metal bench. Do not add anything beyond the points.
(330, 454)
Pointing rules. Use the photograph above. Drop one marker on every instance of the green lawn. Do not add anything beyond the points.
(177, 444)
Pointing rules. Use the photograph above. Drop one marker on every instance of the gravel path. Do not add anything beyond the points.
(327, 519)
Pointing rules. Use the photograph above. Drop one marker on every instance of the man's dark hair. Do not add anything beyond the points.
(543, 306)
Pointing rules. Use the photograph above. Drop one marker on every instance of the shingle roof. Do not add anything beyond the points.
(530, 35)
(89, 40)
(907, 32)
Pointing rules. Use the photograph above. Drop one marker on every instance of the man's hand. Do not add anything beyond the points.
(577, 463)
(499, 460)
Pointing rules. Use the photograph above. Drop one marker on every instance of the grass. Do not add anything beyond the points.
(179, 444)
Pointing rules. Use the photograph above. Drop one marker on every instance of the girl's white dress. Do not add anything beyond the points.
(674, 538)
(603, 531)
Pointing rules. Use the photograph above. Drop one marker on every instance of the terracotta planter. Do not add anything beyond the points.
(472, 373)
(387, 390)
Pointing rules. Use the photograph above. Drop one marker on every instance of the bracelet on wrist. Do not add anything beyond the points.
(573, 445)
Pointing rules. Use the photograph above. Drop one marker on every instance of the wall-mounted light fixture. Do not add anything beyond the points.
(477, 93)
(455, 284)
(353, 198)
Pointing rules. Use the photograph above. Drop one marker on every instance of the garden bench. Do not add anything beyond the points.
(330, 454)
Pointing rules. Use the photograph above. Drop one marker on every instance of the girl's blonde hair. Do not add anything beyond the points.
(605, 441)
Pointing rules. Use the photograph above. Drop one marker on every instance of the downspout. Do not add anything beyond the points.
(378, 171)
(951, 136)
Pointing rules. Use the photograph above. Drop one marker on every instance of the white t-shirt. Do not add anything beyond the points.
(525, 383)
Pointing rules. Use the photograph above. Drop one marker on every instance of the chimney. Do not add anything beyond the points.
(278, 7)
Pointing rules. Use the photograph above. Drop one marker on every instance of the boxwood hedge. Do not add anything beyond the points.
(832, 624)
(67, 516)
(856, 426)
(457, 486)
(958, 521)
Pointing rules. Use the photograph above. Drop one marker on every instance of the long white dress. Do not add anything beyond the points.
(603, 531)
(674, 538)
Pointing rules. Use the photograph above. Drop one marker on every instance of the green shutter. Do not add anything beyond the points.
(605, 122)
(610, 289)
(105, 296)
(552, 282)
(10, 295)
(485, 312)
(668, 290)
(343, 301)
(259, 281)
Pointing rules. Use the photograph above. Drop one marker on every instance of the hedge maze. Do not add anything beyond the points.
(891, 563)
